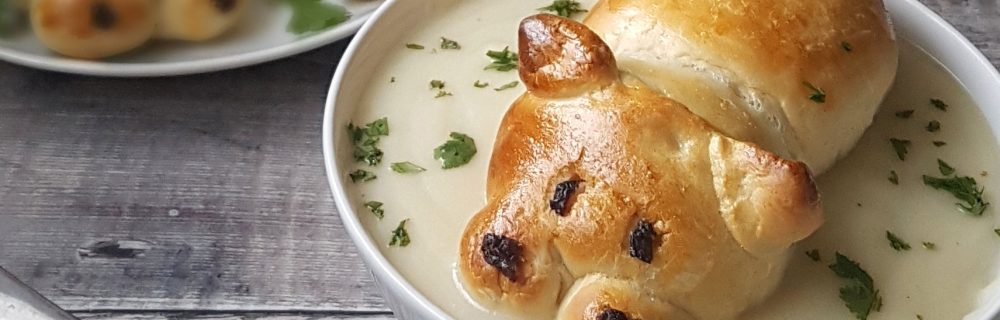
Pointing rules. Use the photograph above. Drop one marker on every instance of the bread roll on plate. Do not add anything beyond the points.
(801, 78)
(599, 183)
(198, 20)
(93, 29)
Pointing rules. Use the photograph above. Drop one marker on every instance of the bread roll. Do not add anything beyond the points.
(600, 181)
(750, 67)
(93, 29)
(198, 20)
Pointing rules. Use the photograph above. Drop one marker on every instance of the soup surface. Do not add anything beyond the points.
(951, 253)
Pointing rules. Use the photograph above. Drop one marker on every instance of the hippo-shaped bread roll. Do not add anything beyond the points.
(607, 200)
(93, 29)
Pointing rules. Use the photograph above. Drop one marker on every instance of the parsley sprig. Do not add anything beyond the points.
(504, 60)
(896, 243)
(456, 152)
(962, 187)
(365, 140)
(859, 294)
(400, 237)
(817, 95)
(376, 208)
(315, 15)
(565, 8)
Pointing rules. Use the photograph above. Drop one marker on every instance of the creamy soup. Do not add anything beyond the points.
(861, 203)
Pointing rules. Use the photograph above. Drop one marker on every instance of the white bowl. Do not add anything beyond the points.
(912, 20)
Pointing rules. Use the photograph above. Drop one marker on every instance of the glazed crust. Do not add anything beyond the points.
(93, 29)
(746, 66)
(723, 212)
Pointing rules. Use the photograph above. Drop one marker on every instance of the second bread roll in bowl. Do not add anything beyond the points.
(801, 78)
(198, 20)
(93, 29)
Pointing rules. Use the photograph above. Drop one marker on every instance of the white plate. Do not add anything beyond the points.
(912, 20)
(260, 37)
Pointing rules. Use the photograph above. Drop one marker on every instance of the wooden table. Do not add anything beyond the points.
(201, 196)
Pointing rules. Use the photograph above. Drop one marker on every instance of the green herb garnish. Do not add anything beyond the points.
(399, 236)
(437, 84)
(456, 152)
(859, 295)
(365, 140)
(938, 103)
(847, 46)
(507, 86)
(376, 208)
(905, 114)
(896, 243)
(448, 44)
(939, 143)
(406, 167)
(964, 188)
(362, 175)
(817, 95)
(392, 80)
(565, 8)
(479, 84)
(997, 231)
(901, 147)
(315, 15)
(929, 245)
(933, 126)
(414, 46)
(893, 177)
(442, 93)
(813, 254)
(505, 60)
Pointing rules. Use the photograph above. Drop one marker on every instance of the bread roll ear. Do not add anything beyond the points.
(560, 58)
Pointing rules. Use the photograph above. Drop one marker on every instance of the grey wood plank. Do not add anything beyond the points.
(978, 20)
(215, 180)
(229, 316)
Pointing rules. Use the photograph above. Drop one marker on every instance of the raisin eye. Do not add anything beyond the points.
(640, 241)
(612, 314)
(564, 191)
(502, 253)
(102, 16)
(224, 5)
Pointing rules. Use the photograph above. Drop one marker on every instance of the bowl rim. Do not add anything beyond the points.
(980, 72)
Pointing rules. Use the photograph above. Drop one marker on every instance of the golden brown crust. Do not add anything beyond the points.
(92, 29)
(752, 61)
(644, 209)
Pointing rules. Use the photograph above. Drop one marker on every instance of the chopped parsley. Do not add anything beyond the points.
(456, 152)
(896, 243)
(859, 294)
(933, 126)
(817, 95)
(315, 15)
(399, 236)
(945, 169)
(938, 103)
(929, 245)
(901, 146)
(905, 114)
(565, 8)
(997, 231)
(414, 46)
(448, 44)
(376, 208)
(939, 143)
(847, 46)
(813, 254)
(407, 167)
(442, 93)
(964, 188)
(893, 177)
(362, 175)
(507, 86)
(392, 80)
(437, 84)
(479, 84)
(505, 60)
(365, 138)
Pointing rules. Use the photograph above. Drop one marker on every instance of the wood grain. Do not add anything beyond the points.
(202, 196)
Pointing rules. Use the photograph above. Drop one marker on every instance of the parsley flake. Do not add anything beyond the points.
(896, 243)
(565, 8)
(997, 231)
(437, 84)
(406, 167)
(929, 245)
(859, 295)
(893, 177)
(448, 44)
(905, 114)
(365, 140)
(456, 152)
(847, 46)
(414, 46)
(507, 86)
(945, 169)
(901, 147)
(939, 143)
(933, 126)
(442, 93)
(938, 103)
(813, 254)
(315, 15)
(479, 84)
(376, 208)
(400, 237)
(362, 175)
(505, 60)
(817, 95)
(964, 188)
